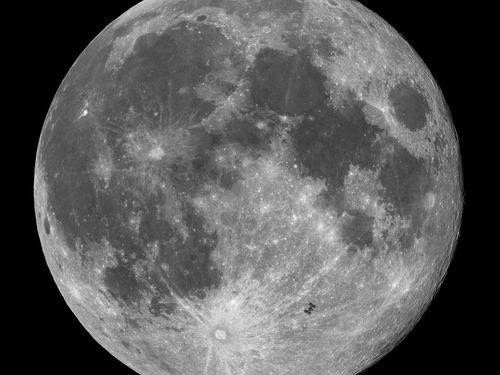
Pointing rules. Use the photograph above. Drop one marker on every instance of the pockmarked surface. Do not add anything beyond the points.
(248, 187)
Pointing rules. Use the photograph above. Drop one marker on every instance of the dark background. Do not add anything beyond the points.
(445, 341)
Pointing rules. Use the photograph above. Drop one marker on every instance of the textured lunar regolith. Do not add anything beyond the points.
(245, 187)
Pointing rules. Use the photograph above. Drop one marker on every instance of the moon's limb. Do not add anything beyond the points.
(263, 168)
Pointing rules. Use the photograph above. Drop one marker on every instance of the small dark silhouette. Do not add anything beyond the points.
(310, 309)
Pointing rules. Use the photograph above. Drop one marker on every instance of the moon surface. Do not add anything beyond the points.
(246, 187)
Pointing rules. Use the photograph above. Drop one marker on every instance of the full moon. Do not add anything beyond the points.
(245, 187)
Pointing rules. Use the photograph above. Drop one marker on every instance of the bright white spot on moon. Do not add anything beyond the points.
(157, 153)
(84, 113)
(220, 334)
(265, 208)
(264, 15)
(261, 125)
(430, 200)
(74, 291)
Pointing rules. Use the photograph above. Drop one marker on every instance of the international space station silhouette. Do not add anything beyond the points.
(310, 308)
